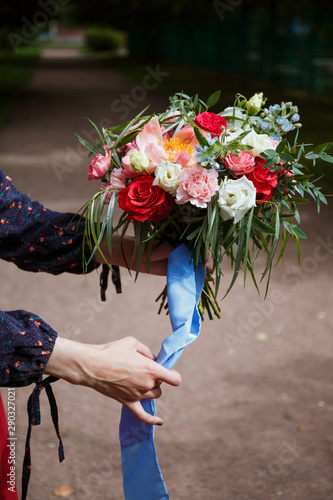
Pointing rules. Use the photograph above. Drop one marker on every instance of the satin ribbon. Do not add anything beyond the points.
(142, 477)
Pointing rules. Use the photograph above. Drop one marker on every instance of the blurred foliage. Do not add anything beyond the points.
(104, 38)
(152, 14)
(16, 70)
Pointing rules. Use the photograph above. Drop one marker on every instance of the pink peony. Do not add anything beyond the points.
(180, 148)
(99, 167)
(197, 185)
(242, 164)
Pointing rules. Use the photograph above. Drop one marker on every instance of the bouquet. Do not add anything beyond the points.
(227, 184)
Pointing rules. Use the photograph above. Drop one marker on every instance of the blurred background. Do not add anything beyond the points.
(252, 419)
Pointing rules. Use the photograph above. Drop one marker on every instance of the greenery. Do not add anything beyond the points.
(104, 39)
(16, 70)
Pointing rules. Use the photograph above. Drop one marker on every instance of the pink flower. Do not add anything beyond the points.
(117, 181)
(118, 178)
(197, 185)
(99, 167)
(242, 164)
(180, 148)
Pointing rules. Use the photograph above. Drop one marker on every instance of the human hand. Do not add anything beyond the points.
(158, 257)
(124, 370)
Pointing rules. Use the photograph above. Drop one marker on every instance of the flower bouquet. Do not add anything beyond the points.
(227, 184)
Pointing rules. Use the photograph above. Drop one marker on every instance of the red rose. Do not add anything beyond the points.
(143, 201)
(264, 181)
(211, 122)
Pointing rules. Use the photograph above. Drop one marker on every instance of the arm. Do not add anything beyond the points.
(41, 240)
(124, 370)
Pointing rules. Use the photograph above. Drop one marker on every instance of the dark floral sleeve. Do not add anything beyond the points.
(26, 344)
(35, 238)
(39, 240)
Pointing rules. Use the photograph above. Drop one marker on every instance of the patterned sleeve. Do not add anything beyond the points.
(39, 240)
(26, 344)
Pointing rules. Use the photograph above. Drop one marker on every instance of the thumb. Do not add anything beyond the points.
(138, 411)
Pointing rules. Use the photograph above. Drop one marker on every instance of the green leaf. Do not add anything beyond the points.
(326, 157)
(239, 254)
(96, 128)
(89, 146)
(299, 233)
(248, 234)
(201, 139)
(323, 147)
(287, 158)
(213, 99)
(280, 147)
(274, 243)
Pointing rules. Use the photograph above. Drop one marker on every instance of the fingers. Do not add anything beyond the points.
(171, 377)
(144, 350)
(138, 411)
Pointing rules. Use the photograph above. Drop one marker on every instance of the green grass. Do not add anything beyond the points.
(16, 70)
(316, 110)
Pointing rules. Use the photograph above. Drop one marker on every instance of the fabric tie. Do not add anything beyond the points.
(34, 419)
(142, 477)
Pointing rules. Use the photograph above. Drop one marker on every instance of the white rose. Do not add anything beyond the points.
(236, 197)
(138, 160)
(254, 104)
(259, 142)
(235, 116)
(167, 175)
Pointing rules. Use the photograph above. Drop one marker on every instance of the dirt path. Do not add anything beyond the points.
(252, 419)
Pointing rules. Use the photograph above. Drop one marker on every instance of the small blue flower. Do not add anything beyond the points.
(287, 126)
(276, 107)
(275, 137)
(281, 120)
(210, 140)
(265, 125)
(295, 117)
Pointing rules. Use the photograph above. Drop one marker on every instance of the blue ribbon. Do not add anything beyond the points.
(142, 477)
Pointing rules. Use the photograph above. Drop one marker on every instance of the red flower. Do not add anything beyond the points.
(264, 181)
(211, 122)
(143, 201)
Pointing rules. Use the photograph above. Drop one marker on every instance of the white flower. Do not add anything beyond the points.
(235, 116)
(259, 142)
(236, 197)
(139, 161)
(254, 104)
(167, 175)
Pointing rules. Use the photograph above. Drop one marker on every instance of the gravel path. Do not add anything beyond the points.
(252, 419)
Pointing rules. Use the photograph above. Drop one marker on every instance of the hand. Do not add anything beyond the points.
(158, 257)
(124, 370)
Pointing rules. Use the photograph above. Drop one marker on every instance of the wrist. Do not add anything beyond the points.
(65, 361)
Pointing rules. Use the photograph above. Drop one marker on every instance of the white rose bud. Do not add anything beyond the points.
(236, 197)
(259, 142)
(254, 104)
(167, 175)
(139, 161)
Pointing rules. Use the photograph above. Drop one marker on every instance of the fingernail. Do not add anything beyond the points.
(159, 423)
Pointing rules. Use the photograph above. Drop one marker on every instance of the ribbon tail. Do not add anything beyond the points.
(142, 477)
